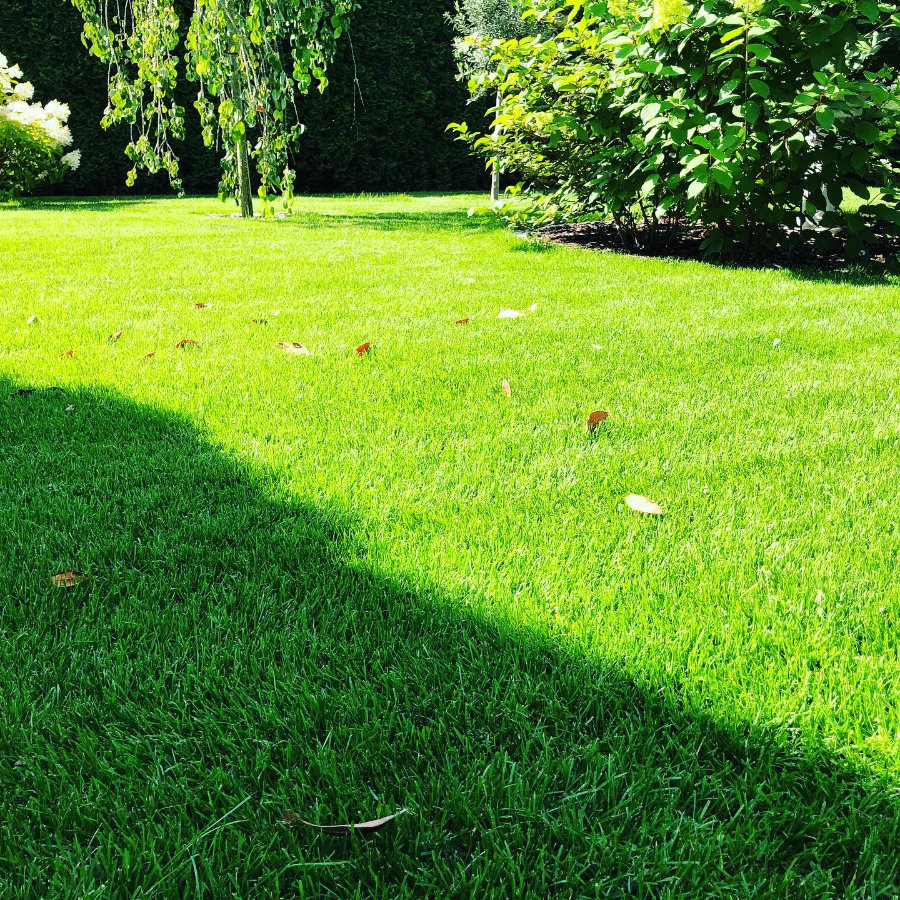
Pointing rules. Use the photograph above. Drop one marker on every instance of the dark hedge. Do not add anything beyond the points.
(387, 135)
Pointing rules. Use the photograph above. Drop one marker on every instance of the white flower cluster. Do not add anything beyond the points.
(51, 119)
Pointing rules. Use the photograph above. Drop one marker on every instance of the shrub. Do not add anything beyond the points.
(748, 117)
(33, 137)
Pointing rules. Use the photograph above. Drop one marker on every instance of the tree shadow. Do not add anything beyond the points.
(84, 204)
(233, 653)
(424, 220)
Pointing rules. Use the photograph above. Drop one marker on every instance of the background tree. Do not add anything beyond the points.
(250, 57)
(478, 23)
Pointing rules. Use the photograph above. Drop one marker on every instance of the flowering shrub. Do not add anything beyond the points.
(33, 137)
(747, 117)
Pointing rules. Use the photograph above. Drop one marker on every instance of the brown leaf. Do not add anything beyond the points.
(506, 388)
(643, 505)
(295, 348)
(462, 321)
(260, 321)
(68, 579)
(595, 418)
(67, 355)
(186, 342)
(289, 817)
(32, 320)
(149, 355)
(115, 336)
(363, 349)
(201, 306)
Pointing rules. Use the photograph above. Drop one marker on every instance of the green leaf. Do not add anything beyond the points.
(750, 112)
(650, 111)
(695, 189)
(869, 9)
(867, 132)
(760, 87)
(825, 117)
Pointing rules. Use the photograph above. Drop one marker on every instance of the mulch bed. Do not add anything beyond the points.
(684, 242)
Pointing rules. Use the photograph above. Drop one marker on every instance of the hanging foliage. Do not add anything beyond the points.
(249, 57)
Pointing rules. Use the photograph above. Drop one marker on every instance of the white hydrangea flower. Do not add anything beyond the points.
(59, 132)
(24, 90)
(72, 159)
(57, 110)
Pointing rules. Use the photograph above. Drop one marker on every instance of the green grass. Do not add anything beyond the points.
(348, 585)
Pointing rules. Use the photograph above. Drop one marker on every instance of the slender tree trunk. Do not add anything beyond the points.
(243, 174)
(242, 153)
(495, 171)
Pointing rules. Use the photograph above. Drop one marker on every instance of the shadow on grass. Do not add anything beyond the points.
(233, 653)
(86, 204)
(395, 221)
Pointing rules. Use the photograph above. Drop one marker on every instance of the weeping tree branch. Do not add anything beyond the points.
(250, 59)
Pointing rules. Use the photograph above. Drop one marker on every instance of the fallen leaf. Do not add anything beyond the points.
(68, 579)
(295, 348)
(643, 505)
(186, 342)
(363, 349)
(506, 388)
(149, 355)
(510, 314)
(115, 336)
(201, 306)
(595, 418)
(67, 355)
(289, 817)
(532, 308)
(462, 321)
(260, 321)
(32, 320)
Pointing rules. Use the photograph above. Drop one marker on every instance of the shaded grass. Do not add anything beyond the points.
(350, 585)
(231, 656)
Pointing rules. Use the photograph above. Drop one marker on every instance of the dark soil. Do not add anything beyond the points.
(682, 241)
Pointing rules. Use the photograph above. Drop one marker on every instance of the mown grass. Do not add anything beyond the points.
(348, 585)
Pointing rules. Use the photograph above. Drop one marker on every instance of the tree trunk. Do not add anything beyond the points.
(243, 177)
(241, 151)
(495, 171)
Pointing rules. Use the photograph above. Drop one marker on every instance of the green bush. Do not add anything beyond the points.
(33, 137)
(748, 117)
(27, 157)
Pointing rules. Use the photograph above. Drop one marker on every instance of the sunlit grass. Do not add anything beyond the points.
(350, 584)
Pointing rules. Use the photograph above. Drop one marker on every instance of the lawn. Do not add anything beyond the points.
(345, 585)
